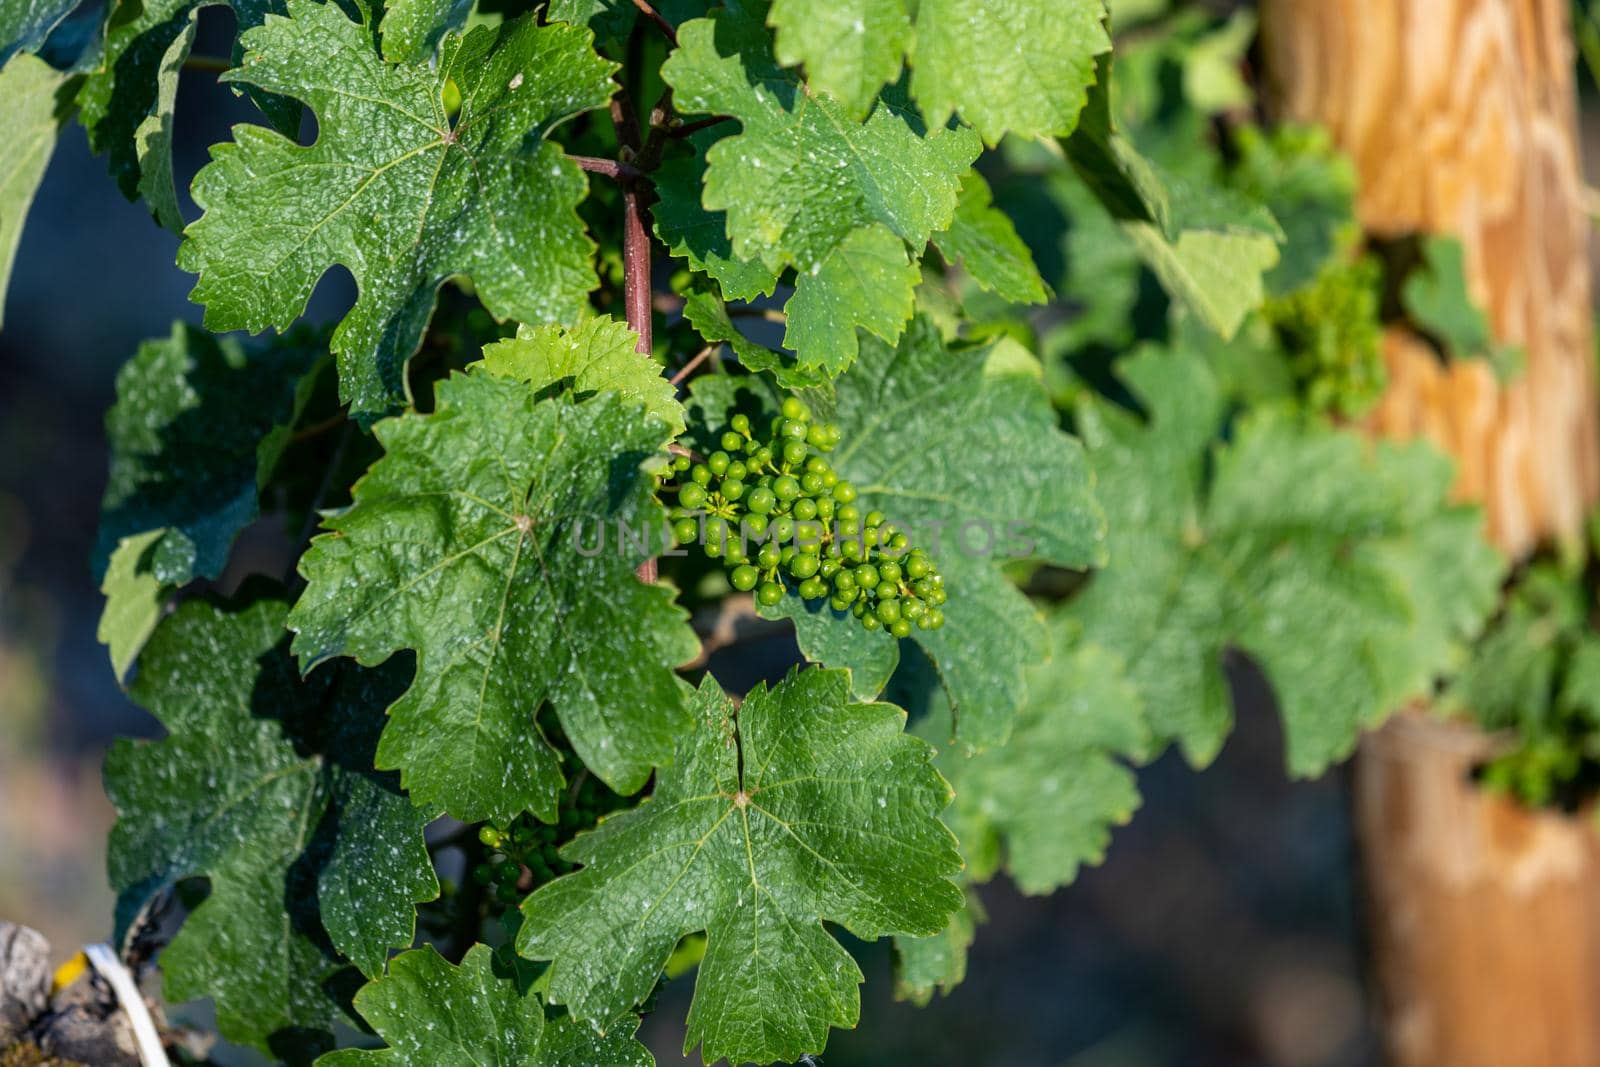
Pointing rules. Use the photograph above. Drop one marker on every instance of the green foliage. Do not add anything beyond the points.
(934, 476)
(1294, 542)
(1333, 337)
(265, 786)
(396, 190)
(803, 186)
(433, 1013)
(600, 355)
(799, 807)
(493, 622)
(28, 127)
(1435, 296)
(1022, 67)
(468, 543)
(1535, 678)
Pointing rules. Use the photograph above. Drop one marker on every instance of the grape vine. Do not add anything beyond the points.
(1010, 381)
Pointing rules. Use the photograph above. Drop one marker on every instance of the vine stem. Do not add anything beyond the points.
(656, 17)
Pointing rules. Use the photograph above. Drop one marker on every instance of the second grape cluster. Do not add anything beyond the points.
(775, 512)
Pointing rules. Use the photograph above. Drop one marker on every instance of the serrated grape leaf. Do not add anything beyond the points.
(134, 597)
(1022, 67)
(412, 29)
(799, 808)
(706, 312)
(29, 122)
(432, 1013)
(1208, 245)
(1044, 804)
(265, 786)
(24, 25)
(1436, 297)
(952, 474)
(926, 965)
(851, 48)
(1338, 565)
(698, 236)
(599, 355)
(868, 282)
(802, 177)
(396, 192)
(127, 101)
(197, 427)
(983, 240)
(487, 540)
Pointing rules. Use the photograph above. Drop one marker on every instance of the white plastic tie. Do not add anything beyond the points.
(105, 961)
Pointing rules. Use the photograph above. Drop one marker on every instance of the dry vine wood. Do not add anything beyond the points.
(1460, 117)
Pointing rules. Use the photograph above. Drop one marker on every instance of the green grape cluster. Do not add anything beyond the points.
(777, 514)
(535, 847)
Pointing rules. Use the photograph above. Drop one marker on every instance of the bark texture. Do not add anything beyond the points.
(1460, 117)
(1484, 918)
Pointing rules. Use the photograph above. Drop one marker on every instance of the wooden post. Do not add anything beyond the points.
(1460, 117)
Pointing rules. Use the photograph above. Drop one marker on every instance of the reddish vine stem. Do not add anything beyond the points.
(611, 168)
(656, 17)
(688, 368)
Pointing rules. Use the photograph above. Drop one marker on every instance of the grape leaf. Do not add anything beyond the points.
(29, 123)
(699, 236)
(134, 597)
(865, 282)
(394, 191)
(850, 47)
(1019, 66)
(24, 25)
(412, 29)
(198, 425)
(1022, 66)
(1208, 245)
(433, 1013)
(706, 312)
(488, 539)
(984, 241)
(926, 965)
(264, 785)
(801, 177)
(799, 808)
(127, 101)
(1436, 297)
(599, 355)
(952, 412)
(1338, 565)
(1044, 803)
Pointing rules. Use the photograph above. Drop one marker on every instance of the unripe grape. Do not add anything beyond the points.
(692, 496)
(741, 423)
(770, 594)
(794, 409)
(900, 628)
(805, 508)
(732, 442)
(718, 463)
(844, 492)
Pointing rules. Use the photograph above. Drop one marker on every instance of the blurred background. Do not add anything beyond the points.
(1222, 930)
